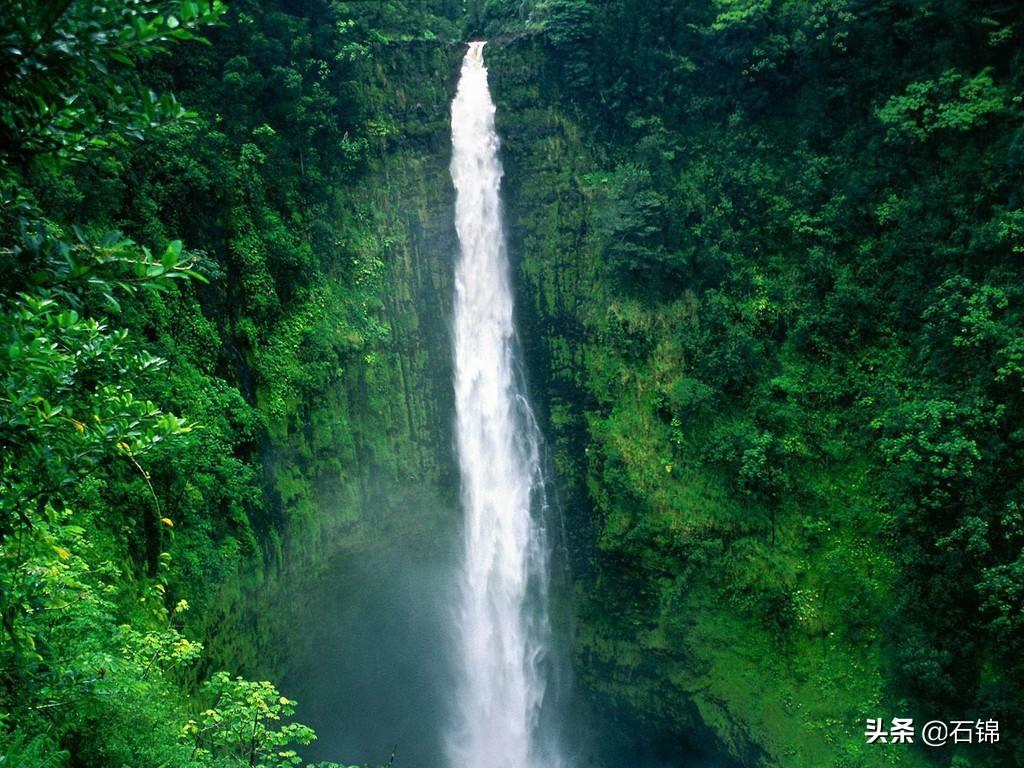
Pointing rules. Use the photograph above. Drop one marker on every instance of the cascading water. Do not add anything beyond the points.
(503, 635)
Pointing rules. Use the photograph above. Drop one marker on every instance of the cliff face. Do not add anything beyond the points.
(365, 469)
(705, 619)
(768, 280)
(383, 424)
(368, 457)
(664, 643)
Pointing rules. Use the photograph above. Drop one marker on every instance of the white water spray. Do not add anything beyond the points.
(502, 614)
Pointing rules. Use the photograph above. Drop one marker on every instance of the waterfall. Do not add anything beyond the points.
(501, 619)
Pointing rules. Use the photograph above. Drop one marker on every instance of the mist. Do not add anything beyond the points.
(370, 665)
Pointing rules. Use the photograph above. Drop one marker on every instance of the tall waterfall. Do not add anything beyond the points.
(503, 634)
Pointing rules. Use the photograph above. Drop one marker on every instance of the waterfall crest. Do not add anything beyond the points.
(503, 633)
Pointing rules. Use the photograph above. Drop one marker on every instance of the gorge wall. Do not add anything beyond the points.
(366, 457)
(669, 566)
(668, 652)
(768, 286)
(728, 511)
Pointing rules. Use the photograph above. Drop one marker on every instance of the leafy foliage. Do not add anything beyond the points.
(781, 314)
(60, 91)
(113, 507)
(242, 724)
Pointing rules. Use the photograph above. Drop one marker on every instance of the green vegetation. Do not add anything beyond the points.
(768, 257)
(773, 276)
(198, 362)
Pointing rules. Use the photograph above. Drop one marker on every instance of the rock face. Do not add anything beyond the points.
(369, 459)
(669, 665)
(626, 667)
(367, 469)
(660, 648)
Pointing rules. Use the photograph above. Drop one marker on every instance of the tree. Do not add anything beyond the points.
(67, 84)
(91, 653)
